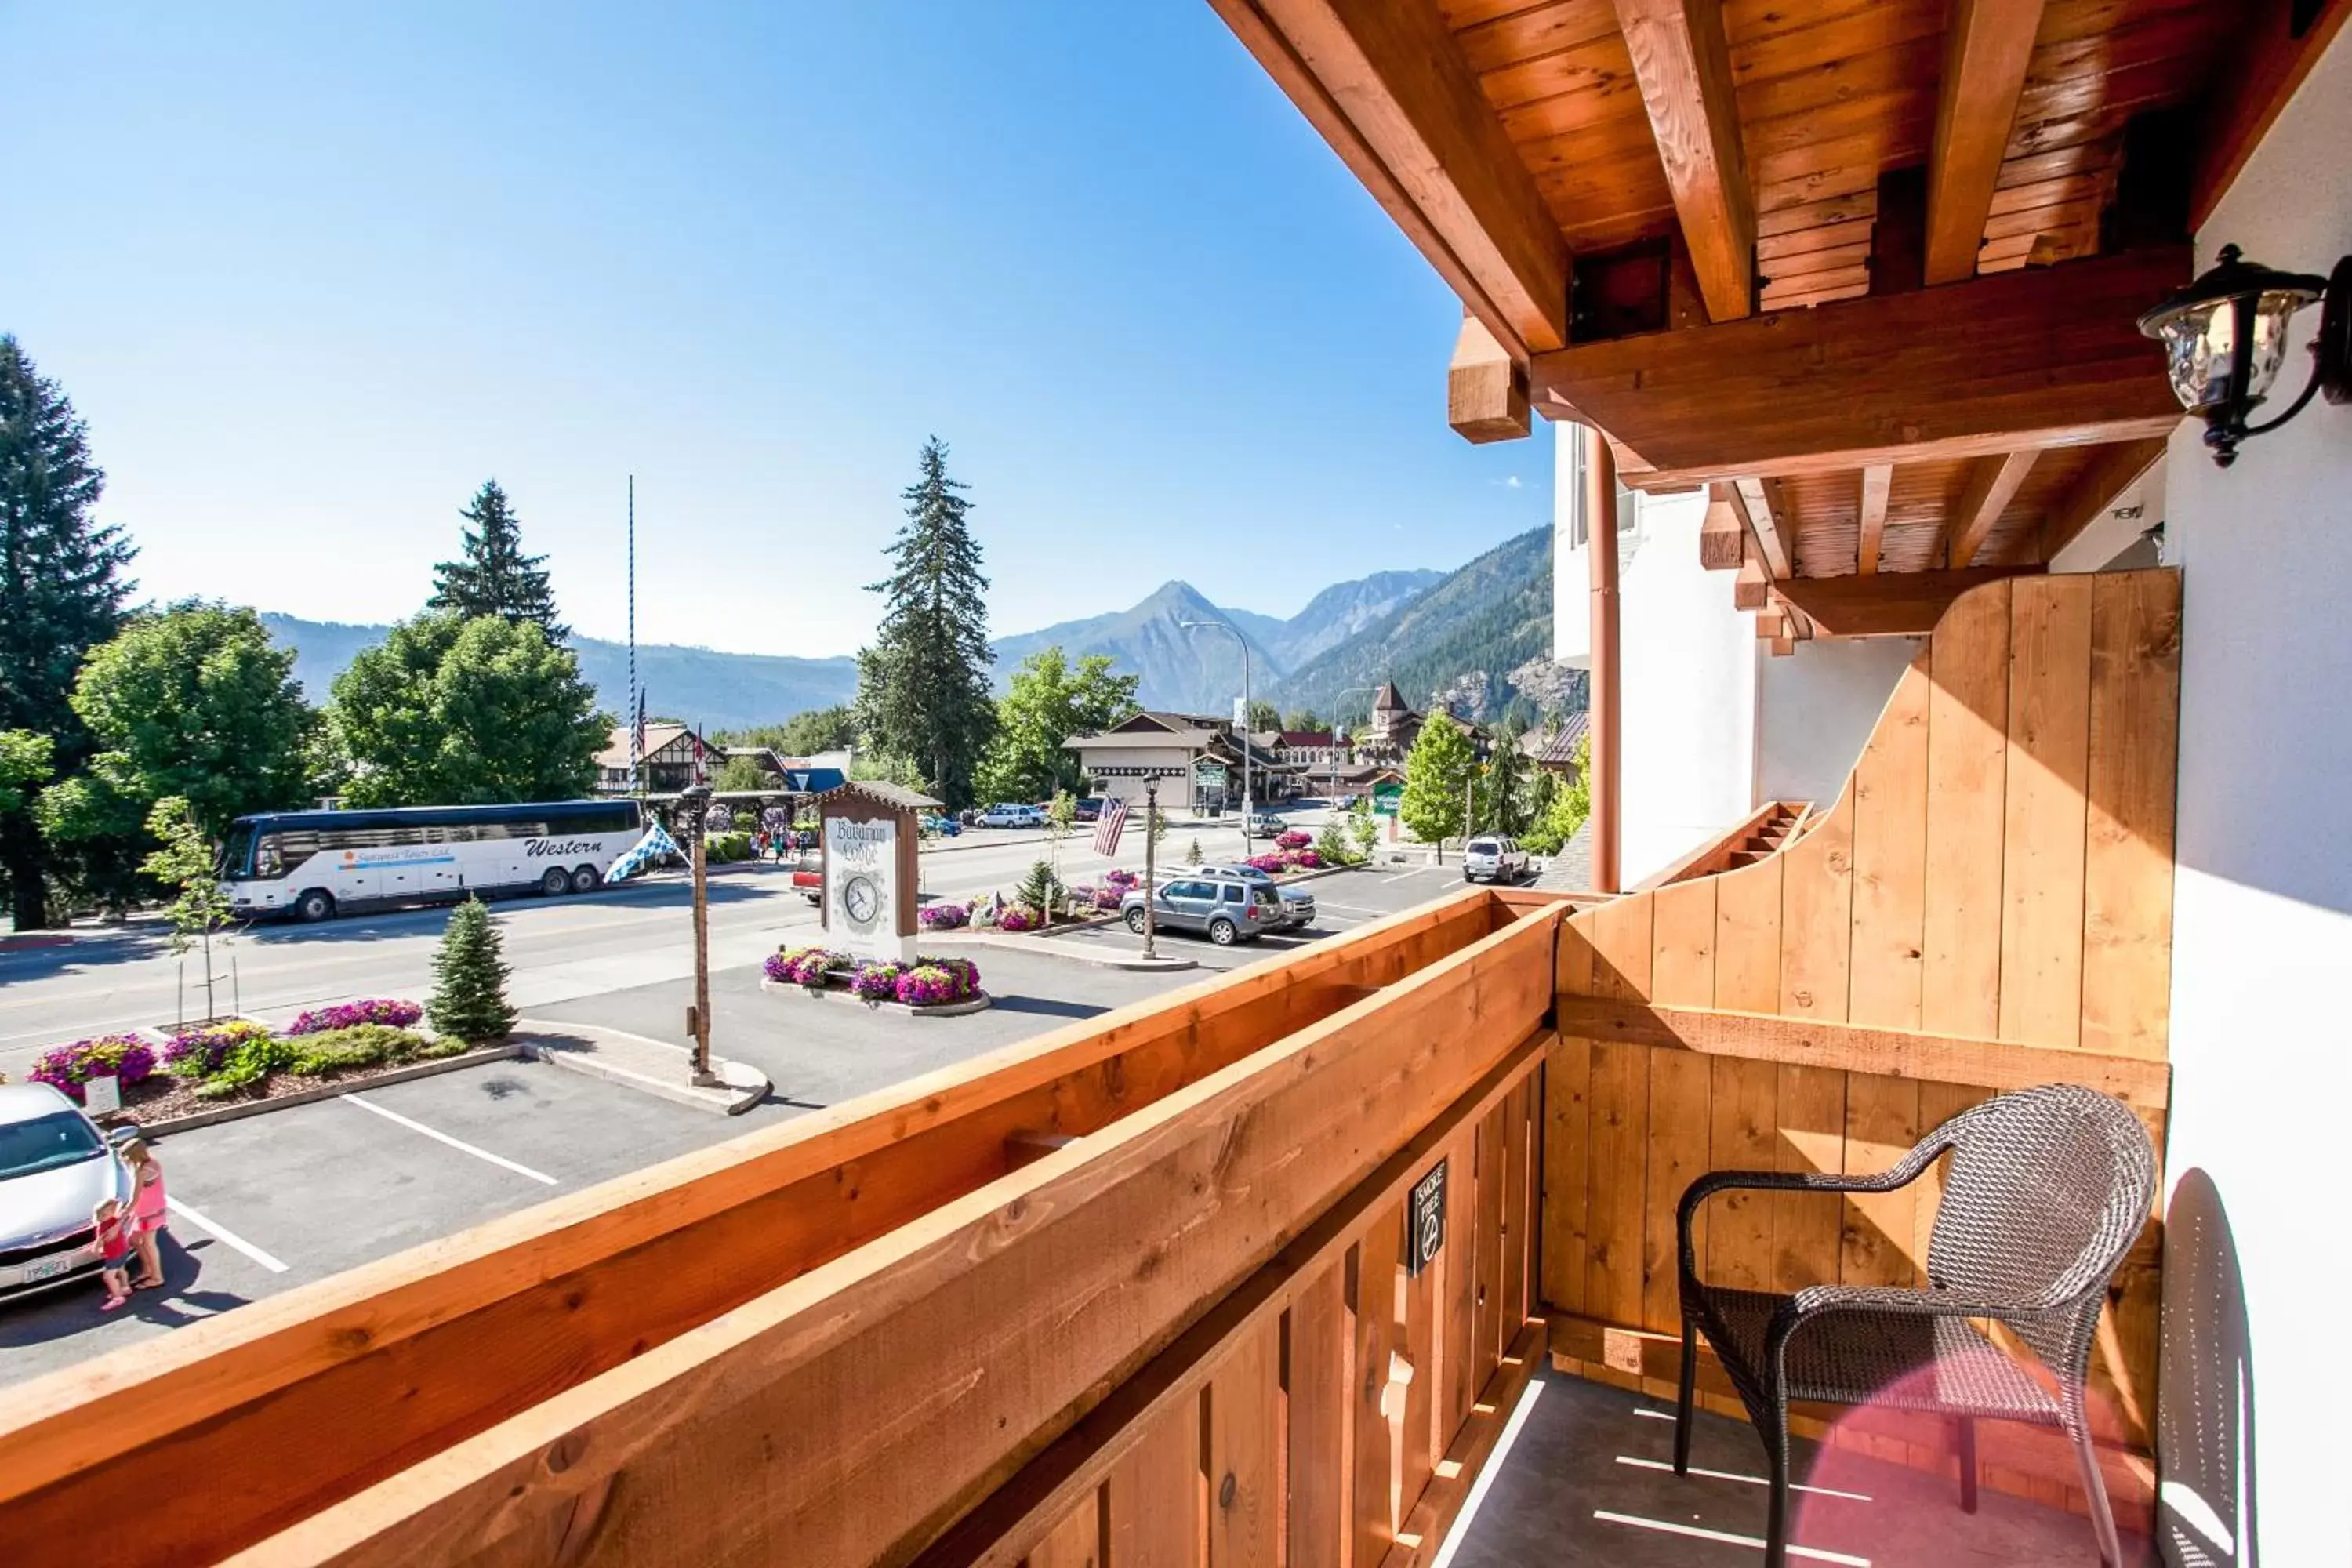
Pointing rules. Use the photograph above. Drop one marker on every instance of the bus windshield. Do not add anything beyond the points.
(236, 853)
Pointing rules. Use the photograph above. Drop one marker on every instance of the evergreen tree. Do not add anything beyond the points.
(1503, 803)
(923, 687)
(61, 593)
(1262, 716)
(492, 575)
(470, 978)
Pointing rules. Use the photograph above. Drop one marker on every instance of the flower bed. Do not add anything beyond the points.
(944, 917)
(234, 1059)
(126, 1058)
(926, 982)
(389, 1011)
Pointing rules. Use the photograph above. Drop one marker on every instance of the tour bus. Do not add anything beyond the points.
(313, 863)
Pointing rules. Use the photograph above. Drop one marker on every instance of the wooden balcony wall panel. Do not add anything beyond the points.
(441, 1343)
(1003, 1316)
(1329, 1339)
(1995, 877)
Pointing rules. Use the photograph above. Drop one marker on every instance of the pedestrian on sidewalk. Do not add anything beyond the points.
(148, 1213)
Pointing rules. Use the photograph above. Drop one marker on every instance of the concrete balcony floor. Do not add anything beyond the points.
(1589, 1479)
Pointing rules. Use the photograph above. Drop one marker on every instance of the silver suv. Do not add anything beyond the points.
(1297, 904)
(1226, 909)
(1491, 858)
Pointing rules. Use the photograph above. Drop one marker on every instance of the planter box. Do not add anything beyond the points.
(977, 1002)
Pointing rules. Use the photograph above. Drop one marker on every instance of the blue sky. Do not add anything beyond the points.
(311, 273)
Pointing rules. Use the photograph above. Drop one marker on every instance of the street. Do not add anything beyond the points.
(262, 1205)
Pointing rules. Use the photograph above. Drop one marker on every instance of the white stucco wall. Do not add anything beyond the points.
(1817, 708)
(1689, 664)
(2262, 1025)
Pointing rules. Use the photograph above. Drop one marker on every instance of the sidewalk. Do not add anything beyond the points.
(650, 1067)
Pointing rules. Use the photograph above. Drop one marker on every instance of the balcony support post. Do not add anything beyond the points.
(1601, 530)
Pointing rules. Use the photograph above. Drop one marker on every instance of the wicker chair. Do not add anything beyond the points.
(2048, 1189)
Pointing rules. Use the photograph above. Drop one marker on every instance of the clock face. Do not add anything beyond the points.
(861, 899)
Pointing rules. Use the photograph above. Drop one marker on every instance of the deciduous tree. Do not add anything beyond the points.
(1437, 774)
(922, 687)
(199, 704)
(61, 593)
(449, 712)
(491, 575)
(1046, 703)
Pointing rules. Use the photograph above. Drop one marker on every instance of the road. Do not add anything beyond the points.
(559, 948)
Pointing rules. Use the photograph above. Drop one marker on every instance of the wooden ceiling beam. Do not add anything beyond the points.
(2114, 470)
(1388, 87)
(2042, 357)
(1992, 485)
(1682, 63)
(1486, 388)
(2251, 88)
(1878, 480)
(1987, 46)
(1722, 535)
(1769, 524)
(1886, 604)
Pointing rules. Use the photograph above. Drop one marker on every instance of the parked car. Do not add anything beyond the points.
(1297, 903)
(1491, 858)
(55, 1167)
(1265, 824)
(1012, 814)
(1226, 909)
(1089, 808)
(944, 826)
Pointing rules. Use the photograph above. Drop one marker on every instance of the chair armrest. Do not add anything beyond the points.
(1901, 1173)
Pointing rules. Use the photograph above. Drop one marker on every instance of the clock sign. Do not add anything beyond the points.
(1424, 1220)
(861, 901)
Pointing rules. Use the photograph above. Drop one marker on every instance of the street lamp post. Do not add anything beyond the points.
(693, 805)
(1247, 806)
(1151, 862)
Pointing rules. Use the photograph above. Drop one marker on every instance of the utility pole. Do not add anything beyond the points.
(636, 732)
(692, 804)
(1151, 861)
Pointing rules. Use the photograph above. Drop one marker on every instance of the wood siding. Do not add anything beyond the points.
(1990, 898)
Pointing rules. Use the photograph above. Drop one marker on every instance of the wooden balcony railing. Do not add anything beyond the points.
(826, 1341)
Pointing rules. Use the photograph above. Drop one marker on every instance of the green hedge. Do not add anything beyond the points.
(722, 848)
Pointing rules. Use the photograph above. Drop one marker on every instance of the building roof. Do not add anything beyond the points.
(1388, 699)
(1559, 752)
(887, 794)
(1144, 739)
(1302, 736)
(658, 738)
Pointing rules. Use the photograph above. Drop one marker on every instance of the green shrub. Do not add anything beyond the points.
(252, 1062)
(720, 848)
(360, 1046)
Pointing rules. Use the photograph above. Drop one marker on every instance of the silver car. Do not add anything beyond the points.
(1297, 903)
(1226, 909)
(55, 1168)
(1491, 858)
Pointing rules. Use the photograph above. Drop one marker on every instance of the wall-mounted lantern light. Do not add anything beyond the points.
(2225, 337)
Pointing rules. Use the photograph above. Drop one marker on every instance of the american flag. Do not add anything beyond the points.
(1114, 817)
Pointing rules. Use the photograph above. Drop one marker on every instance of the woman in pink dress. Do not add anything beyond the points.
(147, 1211)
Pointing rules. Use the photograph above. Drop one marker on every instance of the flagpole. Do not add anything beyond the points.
(636, 704)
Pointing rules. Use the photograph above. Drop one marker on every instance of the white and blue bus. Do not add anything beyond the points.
(313, 863)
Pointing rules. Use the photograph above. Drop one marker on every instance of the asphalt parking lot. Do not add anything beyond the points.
(275, 1201)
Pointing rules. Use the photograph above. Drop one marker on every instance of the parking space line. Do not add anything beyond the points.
(222, 1233)
(440, 1137)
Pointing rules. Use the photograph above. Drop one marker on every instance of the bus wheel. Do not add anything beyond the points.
(557, 881)
(315, 904)
(586, 879)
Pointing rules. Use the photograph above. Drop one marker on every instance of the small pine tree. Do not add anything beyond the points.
(493, 576)
(1193, 853)
(1040, 891)
(469, 979)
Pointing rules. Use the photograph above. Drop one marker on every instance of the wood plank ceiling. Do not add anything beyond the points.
(1774, 155)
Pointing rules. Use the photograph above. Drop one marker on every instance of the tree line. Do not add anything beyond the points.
(122, 724)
